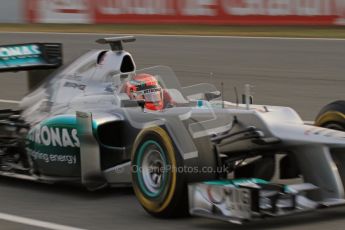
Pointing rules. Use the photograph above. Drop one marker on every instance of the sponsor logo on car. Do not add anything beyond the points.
(54, 136)
(75, 85)
(19, 51)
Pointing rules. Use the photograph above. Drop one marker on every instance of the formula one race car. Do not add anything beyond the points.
(101, 122)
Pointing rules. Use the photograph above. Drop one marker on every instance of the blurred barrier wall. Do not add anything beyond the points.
(231, 12)
(11, 11)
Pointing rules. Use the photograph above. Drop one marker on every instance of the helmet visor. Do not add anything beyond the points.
(151, 95)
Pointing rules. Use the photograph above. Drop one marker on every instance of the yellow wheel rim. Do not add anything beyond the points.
(330, 116)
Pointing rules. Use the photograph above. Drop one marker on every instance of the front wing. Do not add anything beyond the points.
(240, 201)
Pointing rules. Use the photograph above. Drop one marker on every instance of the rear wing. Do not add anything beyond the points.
(30, 56)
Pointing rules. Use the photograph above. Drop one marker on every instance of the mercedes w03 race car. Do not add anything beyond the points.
(101, 122)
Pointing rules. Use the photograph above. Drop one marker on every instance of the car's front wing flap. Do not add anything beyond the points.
(239, 201)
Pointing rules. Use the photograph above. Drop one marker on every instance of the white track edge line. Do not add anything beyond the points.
(35, 223)
(9, 101)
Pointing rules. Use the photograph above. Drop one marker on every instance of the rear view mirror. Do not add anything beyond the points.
(212, 95)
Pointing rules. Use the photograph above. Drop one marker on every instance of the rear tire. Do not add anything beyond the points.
(332, 116)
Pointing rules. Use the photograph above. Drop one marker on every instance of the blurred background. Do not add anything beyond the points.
(215, 12)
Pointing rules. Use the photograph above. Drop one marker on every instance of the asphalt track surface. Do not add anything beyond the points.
(302, 74)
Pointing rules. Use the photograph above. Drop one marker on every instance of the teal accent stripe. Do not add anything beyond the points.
(21, 62)
(237, 182)
(61, 120)
(65, 120)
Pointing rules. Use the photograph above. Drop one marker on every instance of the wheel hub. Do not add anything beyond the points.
(153, 169)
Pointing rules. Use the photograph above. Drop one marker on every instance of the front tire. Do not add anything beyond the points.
(332, 116)
(158, 185)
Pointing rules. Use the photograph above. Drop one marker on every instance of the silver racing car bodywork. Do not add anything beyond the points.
(248, 161)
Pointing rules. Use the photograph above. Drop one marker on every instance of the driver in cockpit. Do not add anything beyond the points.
(146, 87)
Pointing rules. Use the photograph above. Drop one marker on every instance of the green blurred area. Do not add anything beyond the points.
(212, 30)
